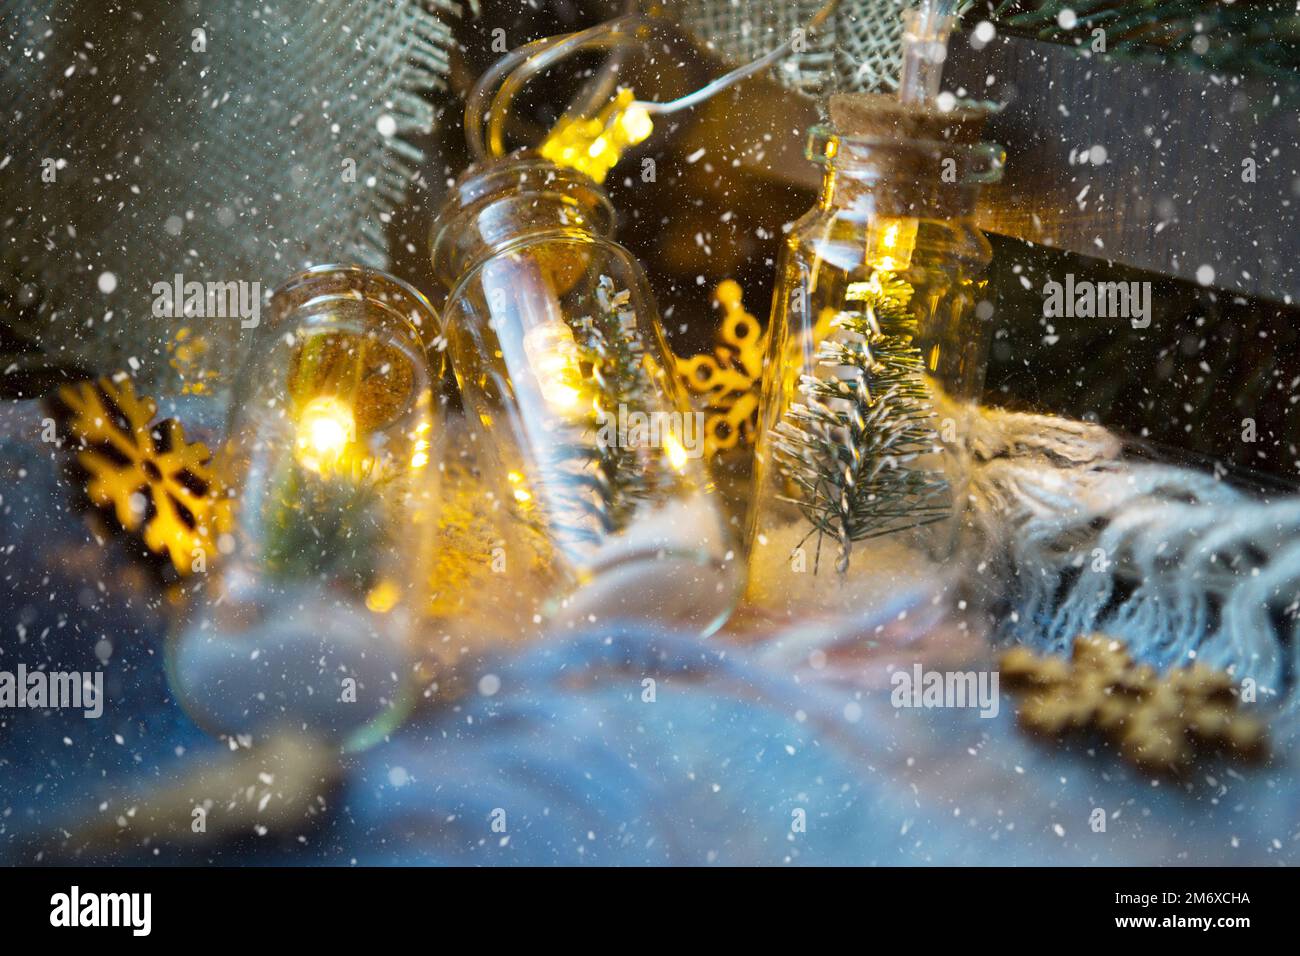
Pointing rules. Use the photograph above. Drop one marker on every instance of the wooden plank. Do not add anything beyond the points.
(1167, 195)
(1171, 192)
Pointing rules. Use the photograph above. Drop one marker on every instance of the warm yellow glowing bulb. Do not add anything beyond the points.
(420, 449)
(890, 243)
(636, 123)
(675, 451)
(382, 597)
(522, 494)
(594, 145)
(325, 430)
(560, 396)
(553, 355)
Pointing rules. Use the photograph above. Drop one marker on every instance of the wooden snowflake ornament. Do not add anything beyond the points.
(1158, 722)
(156, 483)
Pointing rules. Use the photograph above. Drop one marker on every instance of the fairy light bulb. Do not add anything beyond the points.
(636, 123)
(326, 429)
(675, 451)
(420, 447)
(594, 145)
(890, 243)
(518, 485)
(383, 597)
(925, 48)
(553, 356)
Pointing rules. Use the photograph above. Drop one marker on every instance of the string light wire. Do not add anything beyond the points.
(512, 72)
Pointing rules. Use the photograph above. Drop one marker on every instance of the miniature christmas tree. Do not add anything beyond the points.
(849, 449)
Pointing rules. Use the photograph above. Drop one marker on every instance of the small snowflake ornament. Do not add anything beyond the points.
(157, 484)
(1158, 722)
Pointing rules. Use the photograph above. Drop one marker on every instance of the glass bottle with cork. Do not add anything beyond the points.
(876, 353)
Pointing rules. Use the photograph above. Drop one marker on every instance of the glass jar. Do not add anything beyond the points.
(556, 342)
(876, 354)
(328, 520)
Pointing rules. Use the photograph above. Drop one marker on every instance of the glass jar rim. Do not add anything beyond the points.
(356, 283)
(977, 163)
(484, 184)
(489, 176)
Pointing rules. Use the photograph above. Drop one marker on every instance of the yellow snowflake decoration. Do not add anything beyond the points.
(729, 378)
(156, 483)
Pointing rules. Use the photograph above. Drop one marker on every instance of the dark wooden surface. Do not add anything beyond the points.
(1169, 196)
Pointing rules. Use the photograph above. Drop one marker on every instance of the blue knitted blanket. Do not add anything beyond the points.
(741, 755)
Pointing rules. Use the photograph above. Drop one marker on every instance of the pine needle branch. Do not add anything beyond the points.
(595, 486)
(851, 449)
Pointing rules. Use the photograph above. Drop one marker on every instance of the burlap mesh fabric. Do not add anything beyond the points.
(858, 49)
(232, 141)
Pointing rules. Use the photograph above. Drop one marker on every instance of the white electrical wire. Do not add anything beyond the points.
(513, 71)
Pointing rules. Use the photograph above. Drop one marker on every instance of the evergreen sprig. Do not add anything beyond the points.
(849, 449)
(329, 527)
(1261, 37)
(595, 485)
(614, 348)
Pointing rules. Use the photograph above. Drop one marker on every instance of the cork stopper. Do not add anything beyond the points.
(882, 116)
